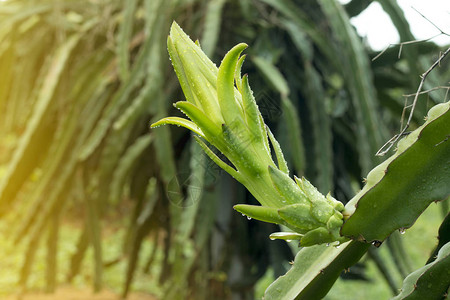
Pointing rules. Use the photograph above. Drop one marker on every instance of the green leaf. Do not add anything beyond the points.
(299, 217)
(179, 122)
(183, 44)
(237, 73)
(207, 126)
(402, 187)
(294, 133)
(429, 282)
(129, 159)
(272, 75)
(322, 132)
(24, 160)
(287, 236)
(253, 118)
(300, 39)
(286, 187)
(355, 7)
(218, 161)
(315, 270)
(293, 12)
(354, 64)
(95, 233)
(229, 106)
(114, 106)
(154, 82)
(261, 213)
(282, 165)
(179, 70)
(124, 37)
(211, 33)
(443, 237)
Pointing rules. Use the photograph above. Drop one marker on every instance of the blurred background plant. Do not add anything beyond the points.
(89, 195)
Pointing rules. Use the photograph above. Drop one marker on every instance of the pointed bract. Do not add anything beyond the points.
(231, 109)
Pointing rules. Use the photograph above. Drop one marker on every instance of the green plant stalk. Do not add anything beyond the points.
(429, 282)
(399, 189)
(392, 210)
(223, 111)
(314, 271)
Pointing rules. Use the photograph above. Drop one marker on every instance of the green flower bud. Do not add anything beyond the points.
(223, 111)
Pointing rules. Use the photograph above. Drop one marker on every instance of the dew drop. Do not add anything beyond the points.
(328, 244)
(272, 238)
(377, 243)
(249, 218)
(337, 246)
(243, 215)
(402, 230)
(288, 241)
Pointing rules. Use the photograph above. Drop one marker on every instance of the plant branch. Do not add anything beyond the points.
(414, 41)
(435, 26)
